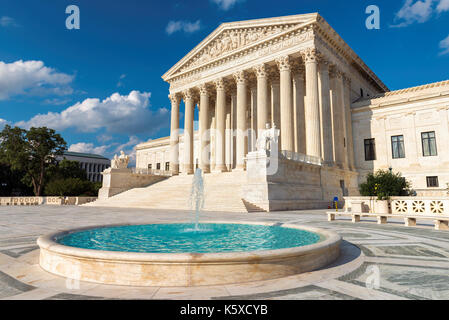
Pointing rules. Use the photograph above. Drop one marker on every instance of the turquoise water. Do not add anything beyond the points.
(182, 238)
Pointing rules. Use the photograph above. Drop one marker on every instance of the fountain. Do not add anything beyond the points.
(197, 196)
(183, 254)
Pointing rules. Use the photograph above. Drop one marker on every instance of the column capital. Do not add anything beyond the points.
(188, 94)
(310, 55)
(220, 84)
(204, 89)
(284, 63)
(261, 70)
(240, 77)
(174, 98)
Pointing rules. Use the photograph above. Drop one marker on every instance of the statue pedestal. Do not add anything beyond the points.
(116, 181)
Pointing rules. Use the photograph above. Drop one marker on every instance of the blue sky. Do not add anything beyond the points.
(101, 87)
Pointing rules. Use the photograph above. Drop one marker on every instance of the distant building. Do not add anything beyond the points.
(94, 164)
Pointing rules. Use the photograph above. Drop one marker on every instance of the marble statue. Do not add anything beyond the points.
(120, 162)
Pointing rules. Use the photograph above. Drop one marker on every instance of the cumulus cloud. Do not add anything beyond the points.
(3, 123)
(187, 27)
(127, 114)
(444, 45)
(120, 82)
(87, 148)
(32, 77)
(8, 22)
(225, 4)
(419, 11)
(443, 6)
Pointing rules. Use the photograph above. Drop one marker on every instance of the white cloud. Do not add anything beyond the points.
(56, 101)
(444, 45)
(419, 11)
(120, 82)
(225, 4)
(443, 6)
(3, 123)
(8, 22)
(88, 148)
(127, 114)
(32, 77)
(187, 27)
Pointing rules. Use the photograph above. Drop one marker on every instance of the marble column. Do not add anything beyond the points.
(348, 127)
(220, 146)
(188, 131)
(253, 119)
(228, 133)
(240, 78)
(287, 136)
(234, 128)
(262, 97)
(298, 110)
(312, 109)
(337, 117)
(275, 103)
(326, 120)
(212, 120)
(204, 126)
(174, 133)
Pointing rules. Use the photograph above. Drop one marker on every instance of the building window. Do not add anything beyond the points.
(429, 146)
(370, 149)
(150, 166)
(432, 182)
(397, 147)
(167, 166)
(158, 166)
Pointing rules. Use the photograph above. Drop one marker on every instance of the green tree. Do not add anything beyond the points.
(66, 169)
(32, 152)
(385, 184)
(70, 187)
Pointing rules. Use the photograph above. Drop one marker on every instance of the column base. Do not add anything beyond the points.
(220, 168)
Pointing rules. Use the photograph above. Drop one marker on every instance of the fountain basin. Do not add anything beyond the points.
(185, 269)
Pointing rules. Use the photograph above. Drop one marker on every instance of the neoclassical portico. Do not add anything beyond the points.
(293, 72)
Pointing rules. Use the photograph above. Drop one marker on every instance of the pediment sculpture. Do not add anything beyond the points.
(120, 162)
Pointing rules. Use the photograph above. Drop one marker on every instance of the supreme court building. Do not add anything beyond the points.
(298, 74)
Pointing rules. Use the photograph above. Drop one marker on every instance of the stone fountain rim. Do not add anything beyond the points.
(328, 239)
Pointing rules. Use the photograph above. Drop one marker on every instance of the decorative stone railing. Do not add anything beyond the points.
(58, 201)
(152, 172)
(299, 157)
(425, 206)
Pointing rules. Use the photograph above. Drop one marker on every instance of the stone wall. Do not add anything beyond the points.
(294, 185)
(116, 181)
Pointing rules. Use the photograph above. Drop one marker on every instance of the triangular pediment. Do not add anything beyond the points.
(232, 37)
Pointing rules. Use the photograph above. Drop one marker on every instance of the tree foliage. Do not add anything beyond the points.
(385, 184)
(31, 151)
(71, 187)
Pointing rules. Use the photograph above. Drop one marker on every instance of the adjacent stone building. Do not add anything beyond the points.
(93, 164)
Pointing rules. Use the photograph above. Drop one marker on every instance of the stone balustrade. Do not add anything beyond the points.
(421, 206)
(30, 201)
(300, 157)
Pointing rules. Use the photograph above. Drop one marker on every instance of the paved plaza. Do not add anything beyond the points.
(377, 261)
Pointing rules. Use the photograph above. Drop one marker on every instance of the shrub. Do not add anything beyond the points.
(71, 187)
(385, 184)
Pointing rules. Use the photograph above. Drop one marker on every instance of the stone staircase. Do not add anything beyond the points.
(222, 193)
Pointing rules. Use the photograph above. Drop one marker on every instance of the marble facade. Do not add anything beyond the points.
(297, 73)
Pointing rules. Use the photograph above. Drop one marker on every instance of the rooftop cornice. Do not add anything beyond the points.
(406, 95)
